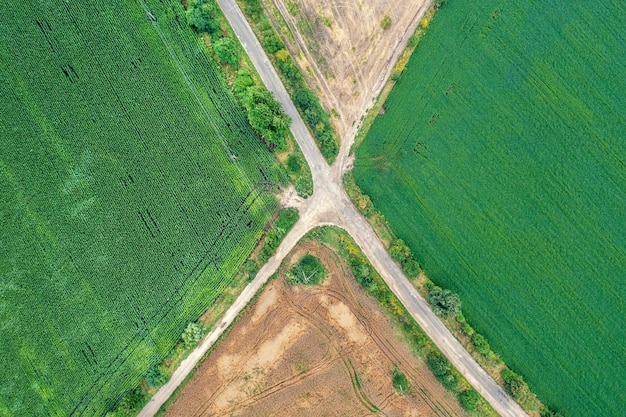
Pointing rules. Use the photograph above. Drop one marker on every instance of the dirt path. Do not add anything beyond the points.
(329, 204)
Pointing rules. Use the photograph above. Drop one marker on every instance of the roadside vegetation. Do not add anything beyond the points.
(505, 180)
(264, 113)
(312, 112)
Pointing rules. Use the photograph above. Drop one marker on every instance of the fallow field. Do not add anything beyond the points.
(132, 189)
(501, 160)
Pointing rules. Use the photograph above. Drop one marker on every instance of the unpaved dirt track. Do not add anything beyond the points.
(298, 351)
(330, 204)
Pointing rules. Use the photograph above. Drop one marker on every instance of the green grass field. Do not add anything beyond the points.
(501, 161)
(132, 189)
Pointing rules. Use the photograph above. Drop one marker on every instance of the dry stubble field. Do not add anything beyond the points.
(312, 351)
(351, 49)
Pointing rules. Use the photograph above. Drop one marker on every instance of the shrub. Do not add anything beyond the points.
(192, 335)
(157, 375)
(226, 51)
(308, 271)
(514, 384)
(399, 381)
(202, 16)
(481, 344)
(444, 302)
(385, 23)
(469, 399)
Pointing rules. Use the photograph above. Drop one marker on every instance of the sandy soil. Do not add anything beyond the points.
(312, 351)
(343, 50)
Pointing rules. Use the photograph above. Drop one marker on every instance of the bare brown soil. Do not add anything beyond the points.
(312, 351)
(344, 52)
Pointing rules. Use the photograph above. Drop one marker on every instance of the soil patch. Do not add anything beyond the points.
(312, 351)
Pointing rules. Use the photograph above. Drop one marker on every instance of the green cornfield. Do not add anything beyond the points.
(501, 161)
(132, 188)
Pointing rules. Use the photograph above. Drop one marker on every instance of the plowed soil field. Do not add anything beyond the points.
(312, 351)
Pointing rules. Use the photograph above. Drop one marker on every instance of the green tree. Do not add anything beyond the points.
(438, 364)
(193, 334)
(399, 251)
(251, 266)
(157, 375)
(253, 8)
(481, 344)
(273, 44)
(309, 271)
(267, 116)
(202, 16)
(411, 267)
(243, 81)
(226, 50)
(399, 381)
(469, 399)
(444, 302)
(514, 384)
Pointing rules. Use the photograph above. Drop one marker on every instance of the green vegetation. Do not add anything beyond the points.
(385, 23)
(515, 385)
(444, 302)
(305, 101)
(287, 217)
(309, 270)
(133, 190)
(192, 335)
(267, 116)
(399, 381)
(500, 162)
(469, 399)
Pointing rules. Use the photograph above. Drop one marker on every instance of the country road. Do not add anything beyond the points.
(330, 204)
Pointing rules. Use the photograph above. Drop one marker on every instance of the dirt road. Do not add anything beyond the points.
(330, 204)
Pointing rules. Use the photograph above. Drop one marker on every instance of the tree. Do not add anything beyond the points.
(273, 44)
(548, 412)
(399, 381)
(399, 251)
(202, 16)
(254, 8)
(251, 266)
(438, 364)
(243, 81)
(226, 50)
(411, 267)
(469, 399)
(192, 334)
(481, 344)
(444, 302)
(157, 375)
(514, 384)
(267, 116)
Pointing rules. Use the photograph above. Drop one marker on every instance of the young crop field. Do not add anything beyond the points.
(132, 189)
(501, 161)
